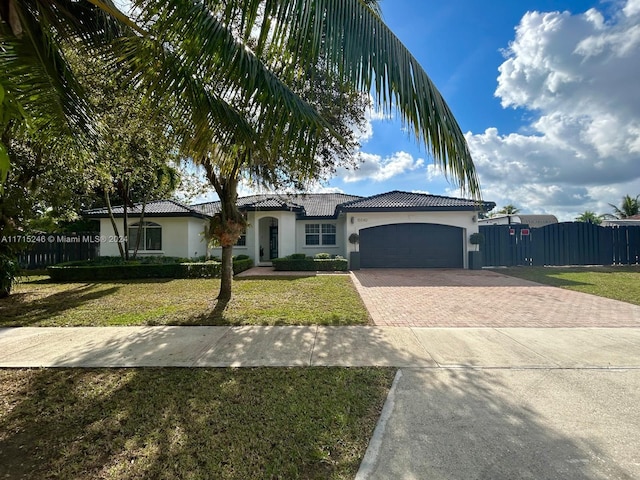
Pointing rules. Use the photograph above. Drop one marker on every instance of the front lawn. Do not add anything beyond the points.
(320, 300)
(311, 423)
(619, 283)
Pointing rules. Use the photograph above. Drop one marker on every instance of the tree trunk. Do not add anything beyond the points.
(226, 282)
(113, 223)
(125, 219)
(226, 226)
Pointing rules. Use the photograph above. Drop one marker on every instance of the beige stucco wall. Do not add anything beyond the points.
(311, 250)
(180, 236)
(259, 237)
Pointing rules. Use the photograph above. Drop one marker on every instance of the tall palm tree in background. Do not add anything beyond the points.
(628, 208)
(509, 210)
(590, 217)
(230, 65)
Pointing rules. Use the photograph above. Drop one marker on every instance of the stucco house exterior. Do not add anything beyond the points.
(395, 229)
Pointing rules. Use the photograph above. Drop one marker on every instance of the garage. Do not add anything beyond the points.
(412, 245)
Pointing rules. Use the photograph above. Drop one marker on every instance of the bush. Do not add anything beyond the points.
(171, 268)
(242, 264)
(9, 270)
(322, 256)
(296, 263)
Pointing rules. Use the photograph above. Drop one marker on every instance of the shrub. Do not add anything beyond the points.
(322, 256)
(171, 268)
(476, 239)
(242, 264)
(297, 256)
(307, 264)
(9, 270)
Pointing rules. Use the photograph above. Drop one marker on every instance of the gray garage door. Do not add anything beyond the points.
(411, 245)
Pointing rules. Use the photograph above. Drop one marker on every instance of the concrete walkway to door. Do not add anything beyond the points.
(481, 298)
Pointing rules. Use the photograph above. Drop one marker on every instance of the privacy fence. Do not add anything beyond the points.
(49, 249)
(570, 243)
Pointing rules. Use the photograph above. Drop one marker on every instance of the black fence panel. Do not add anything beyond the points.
(49, 249)
(506, 245)
(626, 245)
(568, 243)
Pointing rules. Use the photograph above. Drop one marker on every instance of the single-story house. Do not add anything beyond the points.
(534, 221)
(395, 229)
(633, 220)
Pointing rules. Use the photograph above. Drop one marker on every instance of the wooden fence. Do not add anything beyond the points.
(49, 249)
(569, 243)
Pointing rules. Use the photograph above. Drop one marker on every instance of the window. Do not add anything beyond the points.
(328, 234)
(320, 234)
(312, 234)
(151, 236)
(242, 240)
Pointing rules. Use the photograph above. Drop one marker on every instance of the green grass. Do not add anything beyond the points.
(319, 300)
(618, 283)
(311, 423)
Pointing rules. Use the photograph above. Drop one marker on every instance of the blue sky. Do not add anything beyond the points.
(547, 93)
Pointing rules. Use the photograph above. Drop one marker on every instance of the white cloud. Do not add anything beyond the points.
(632, 8)
(578, 73)
(379, 169)
(372, 114)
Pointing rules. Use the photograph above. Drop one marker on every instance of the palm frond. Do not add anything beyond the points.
(357, 44)
(215, 64)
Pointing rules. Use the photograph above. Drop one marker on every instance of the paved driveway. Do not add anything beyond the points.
(481, 298)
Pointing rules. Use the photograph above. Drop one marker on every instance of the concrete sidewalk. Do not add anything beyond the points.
(320, 346)
(467, 403)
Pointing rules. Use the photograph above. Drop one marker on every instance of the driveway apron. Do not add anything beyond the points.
(481, 298)
(493, 409)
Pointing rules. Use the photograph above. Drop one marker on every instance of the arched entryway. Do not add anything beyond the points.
(268, 239)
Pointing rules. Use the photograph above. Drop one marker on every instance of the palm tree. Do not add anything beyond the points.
(231, 65)
(628, 208)
(38, 91)
(590, 217)
(509, 210)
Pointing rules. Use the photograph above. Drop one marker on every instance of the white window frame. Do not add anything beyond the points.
(143, 231)
(320, 231)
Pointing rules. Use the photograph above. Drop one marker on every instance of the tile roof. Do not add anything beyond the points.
(158, 208)
(307, 205)
(398, 200)
(312, 205)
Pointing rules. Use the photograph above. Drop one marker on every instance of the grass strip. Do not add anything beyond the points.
(311, 423)
(618, 283)
(320, 300)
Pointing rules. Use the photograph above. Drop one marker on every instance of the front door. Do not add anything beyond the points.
(273, 242)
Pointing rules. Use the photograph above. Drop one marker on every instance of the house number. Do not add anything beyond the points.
(362, 220)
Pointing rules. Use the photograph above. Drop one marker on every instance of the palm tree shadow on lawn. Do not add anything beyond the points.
(19, 309)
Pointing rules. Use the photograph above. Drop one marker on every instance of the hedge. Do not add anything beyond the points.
(309, 264)
(72, 273)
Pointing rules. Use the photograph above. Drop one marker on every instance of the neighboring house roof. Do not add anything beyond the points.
(408, 201)
(632, 220)
(157, 208)
(311, 205)
(533, 220)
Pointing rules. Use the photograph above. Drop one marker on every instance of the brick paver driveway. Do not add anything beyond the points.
(480, 298)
